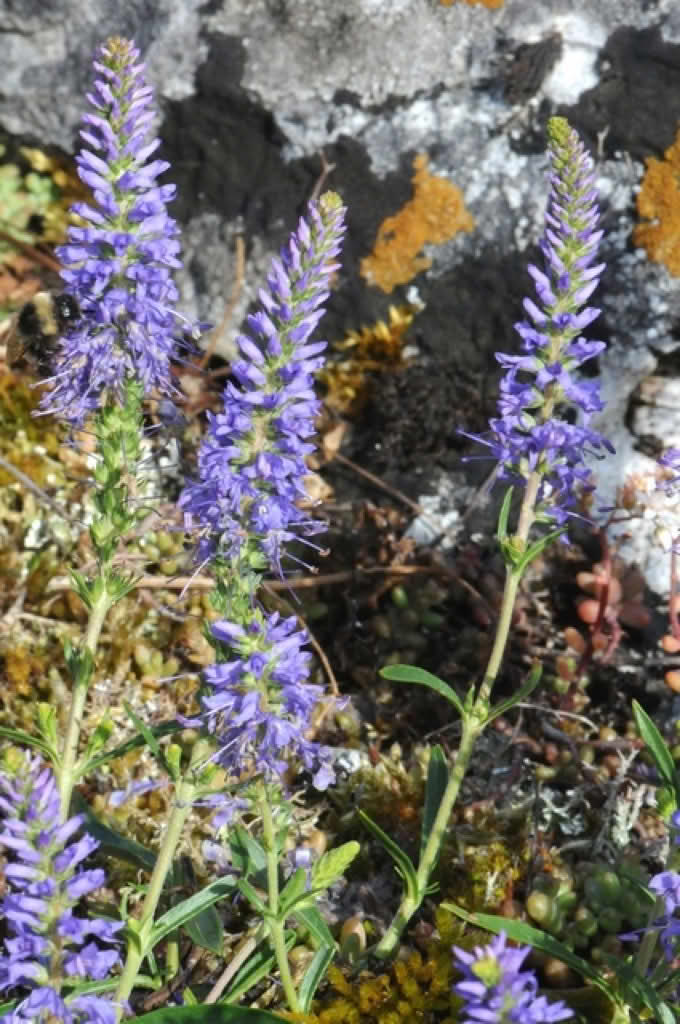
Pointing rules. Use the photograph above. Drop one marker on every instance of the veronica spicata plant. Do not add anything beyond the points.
(537, 447)
(117, 266)
(248, 506)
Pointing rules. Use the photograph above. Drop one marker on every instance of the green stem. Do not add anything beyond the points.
(67, 768)
(411, 902)
(138, 945)
(274, 925)
(474, 723)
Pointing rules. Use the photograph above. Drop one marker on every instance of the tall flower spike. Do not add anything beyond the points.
(252, 462)
(252, 472)
(46, 883)
(118, 265)
(496, 991)
(531, 435)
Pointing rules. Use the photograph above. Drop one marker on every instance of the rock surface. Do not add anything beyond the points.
(257, 95)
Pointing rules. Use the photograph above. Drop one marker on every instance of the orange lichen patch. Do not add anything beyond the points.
(493, 5)
(658, 202)
(435, 213)
(375, 348)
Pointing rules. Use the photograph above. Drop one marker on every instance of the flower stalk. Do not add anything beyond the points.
(275, 926)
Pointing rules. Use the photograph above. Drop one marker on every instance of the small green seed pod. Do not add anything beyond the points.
(399, 596)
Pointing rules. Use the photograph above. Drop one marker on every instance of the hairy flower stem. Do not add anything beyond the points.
(66, 771)
(137, 948)
(274, 925)
(474, 724)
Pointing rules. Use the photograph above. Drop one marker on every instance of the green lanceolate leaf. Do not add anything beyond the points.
(151, 741)
(538, 547)
(190, 908)
(437, 779)
(503, 516)
(101, 735)
(412, 674)
(658, 748)
(525, 689)
(293, 890)
(525, 933)
(164, 729)
(257, 967)
(246, 853)
(218, 1014)
(112, 842)
(206, 930)
(312, 919)
(332, 865)
(256, 901)
(314, 975)
(46, 718)
(24, 739)
(401, 859)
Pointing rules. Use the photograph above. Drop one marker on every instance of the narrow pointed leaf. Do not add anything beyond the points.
(657, 746)
(524, 691)
(252, 896)
(437, 779)
(401, 859)
(412, 674)
(164, 729)
(202, 1014)
(24, 739)
(256, 967)
(295, 887)
(525, 933)
(314, 975)
(312, 919)
(151, 741)
(246, 853)
(190, 908)
(111, 842)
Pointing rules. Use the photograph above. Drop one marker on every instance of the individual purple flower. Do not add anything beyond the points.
(252, 463)
(46, 882)
(531, 438)
(496, 991)
(117, 263)
(260, 704)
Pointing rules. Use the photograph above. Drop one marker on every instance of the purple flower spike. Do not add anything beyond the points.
(496, 991)
(45, 881)
(118, 263)
(531, 436)
(252, 463)
(260, 705)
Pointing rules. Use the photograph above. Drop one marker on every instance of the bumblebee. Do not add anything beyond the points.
(34, 335)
